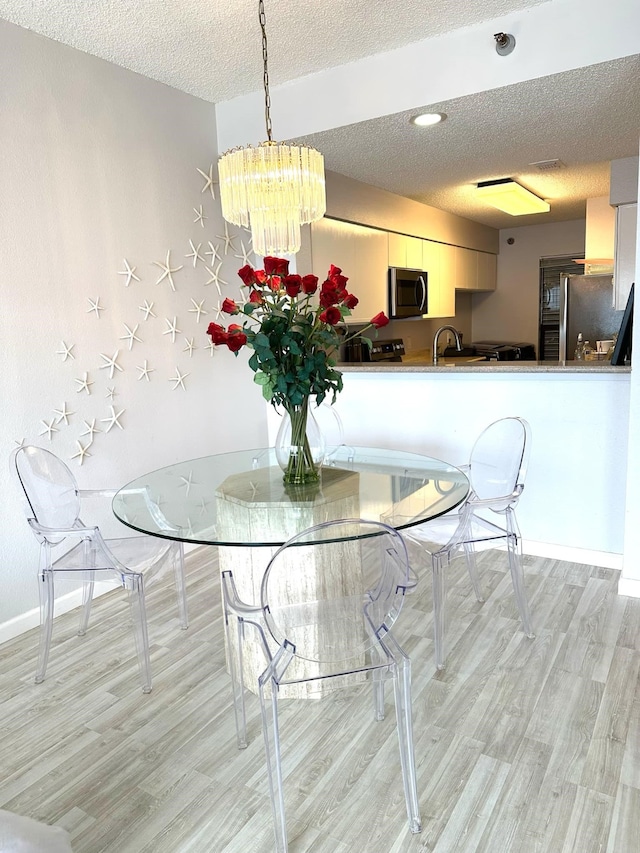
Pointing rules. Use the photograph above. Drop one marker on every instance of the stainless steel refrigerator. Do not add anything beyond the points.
(586, 306)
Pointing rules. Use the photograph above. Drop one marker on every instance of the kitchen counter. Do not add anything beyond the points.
(420, 362)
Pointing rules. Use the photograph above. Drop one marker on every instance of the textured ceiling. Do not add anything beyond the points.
(585, 118)
(211, 49)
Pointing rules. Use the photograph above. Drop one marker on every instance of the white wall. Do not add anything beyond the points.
(572, 507)
(511, 312)
(100, 164)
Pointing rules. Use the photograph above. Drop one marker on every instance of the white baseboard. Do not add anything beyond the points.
(567, 553)
(629, 586)
(31, 619)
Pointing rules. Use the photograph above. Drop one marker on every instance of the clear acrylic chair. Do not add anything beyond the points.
(496, 470)
(53, 513)
(329, 598)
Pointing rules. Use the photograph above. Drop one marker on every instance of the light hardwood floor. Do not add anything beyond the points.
(521, 745)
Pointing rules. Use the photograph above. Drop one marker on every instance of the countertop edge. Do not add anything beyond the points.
(485, 367)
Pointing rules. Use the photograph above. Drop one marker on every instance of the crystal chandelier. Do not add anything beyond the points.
(274, 188)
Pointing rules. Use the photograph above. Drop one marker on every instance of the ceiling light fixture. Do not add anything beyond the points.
(427, 119)
(274, 188)
(510, 197)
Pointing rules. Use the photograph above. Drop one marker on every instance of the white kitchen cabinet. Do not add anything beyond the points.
(466, 266)
(624, 269)
(405, 252)
(442, 295)
(362, 254)
(487, 271)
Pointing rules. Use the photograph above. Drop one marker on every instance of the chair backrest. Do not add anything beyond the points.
(498, 461)
(332, 590)
(49, 486)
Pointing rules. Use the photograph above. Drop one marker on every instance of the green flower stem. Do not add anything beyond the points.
(301, 467)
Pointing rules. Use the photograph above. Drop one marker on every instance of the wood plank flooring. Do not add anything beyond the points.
(522, 746)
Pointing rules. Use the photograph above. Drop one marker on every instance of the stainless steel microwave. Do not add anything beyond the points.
(408, 293)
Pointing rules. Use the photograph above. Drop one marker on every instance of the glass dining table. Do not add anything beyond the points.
(239, 499)
(239, 502)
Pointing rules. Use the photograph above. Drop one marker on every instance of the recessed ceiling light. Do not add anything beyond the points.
(427, 119)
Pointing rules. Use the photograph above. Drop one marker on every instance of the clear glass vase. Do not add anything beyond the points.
(300, 447)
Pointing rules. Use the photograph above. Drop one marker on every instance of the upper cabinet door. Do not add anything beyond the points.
(405, 252)
(442, 297)
(362, 254)
(487, 271)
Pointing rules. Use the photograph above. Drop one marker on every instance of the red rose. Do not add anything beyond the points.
(328, 298)
(247, 274)
(309, 283)
(256, 297)
(339, 281)
(334, 271)
(236, 338)
(275, 282)
(331, 316)
(328, 284)
(379, 320)
(229, 307)
(276, 266)
(293, 285)
(261, 276)
(350, 301)
(217, 332)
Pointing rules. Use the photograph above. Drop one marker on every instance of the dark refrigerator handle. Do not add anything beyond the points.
(563, 355)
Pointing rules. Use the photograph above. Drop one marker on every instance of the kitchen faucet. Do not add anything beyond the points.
(436, 338)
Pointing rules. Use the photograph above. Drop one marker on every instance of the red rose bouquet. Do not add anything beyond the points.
(291, 323)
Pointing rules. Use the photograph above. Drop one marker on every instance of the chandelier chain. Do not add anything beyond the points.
(265, 73)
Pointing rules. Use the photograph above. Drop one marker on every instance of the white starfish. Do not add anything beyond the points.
(213, 253)
(66, 351)
(130, 335)
(217, 310)
(227, 238)
(208, 176)
(145, 370)
(195, 253)
(111, 393)
(147, 309)
(114, 420)
(94, 305)
(83, 450)
(49, 428)
(63, 414)
(187, 482)
(172, 329)
(111, 363)
(211, 347)
(19, 443)
(84, 384)
(197, 309)
(167, 270)
(91, 430)
(204, 503)
(215, 278)
(244, 257)
(130, 273)
(178, 379)
(190, 346)
(200, 216)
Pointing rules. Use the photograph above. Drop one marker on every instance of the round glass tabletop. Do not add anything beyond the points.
(240, 499)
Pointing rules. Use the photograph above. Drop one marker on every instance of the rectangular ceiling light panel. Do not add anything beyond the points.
(511, 198)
